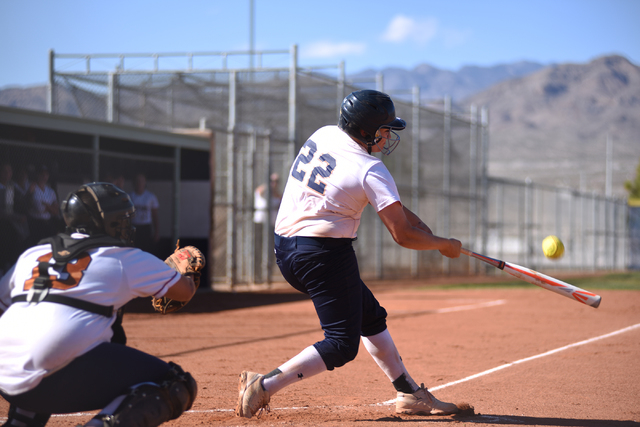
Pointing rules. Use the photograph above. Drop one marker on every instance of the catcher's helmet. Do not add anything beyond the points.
(370, 110)
(100, 208)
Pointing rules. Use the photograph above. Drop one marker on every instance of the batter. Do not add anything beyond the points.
(332, 180)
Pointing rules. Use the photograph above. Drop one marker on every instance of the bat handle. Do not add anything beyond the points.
(492, 261)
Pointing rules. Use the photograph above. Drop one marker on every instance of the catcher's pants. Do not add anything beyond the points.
(327, 270)
(91, 381)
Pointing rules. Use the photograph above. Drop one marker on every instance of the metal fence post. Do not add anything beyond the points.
(177, 159)
(415, 168)
(267, 229)
(52, 82)
(582, 229)
(499, 224)
(446, 179)
(612, 231)
(558, 212)
(250, 236)
(342, 78)
(596, 239)
(96, 157)
(378, 223)
(572, 230)
(293, 90)
(473, 181)
(231, 190)
(112, 99)
(528, 221)
(484, 120)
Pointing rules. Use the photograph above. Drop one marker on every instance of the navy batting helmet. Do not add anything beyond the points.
(370, 110)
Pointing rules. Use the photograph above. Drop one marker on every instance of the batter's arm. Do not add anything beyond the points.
(413, 236)
(415, 221)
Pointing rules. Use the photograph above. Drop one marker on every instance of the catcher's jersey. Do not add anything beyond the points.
(38, 339)
(330, 183)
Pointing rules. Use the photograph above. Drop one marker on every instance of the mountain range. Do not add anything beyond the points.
(553, 126)
(435, 83)
(548, 123)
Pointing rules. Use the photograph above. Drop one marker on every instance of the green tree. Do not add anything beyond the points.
(633, 187)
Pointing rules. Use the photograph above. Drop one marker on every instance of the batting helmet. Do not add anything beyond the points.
(100, 208)
(370, 110)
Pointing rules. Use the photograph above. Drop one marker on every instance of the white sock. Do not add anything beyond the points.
(385, 353)
(305, 365)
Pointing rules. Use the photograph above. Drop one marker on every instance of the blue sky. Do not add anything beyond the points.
(364, 34)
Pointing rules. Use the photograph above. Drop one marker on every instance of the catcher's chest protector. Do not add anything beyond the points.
(65, 249)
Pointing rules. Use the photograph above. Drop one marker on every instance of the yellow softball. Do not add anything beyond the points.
(552, 247)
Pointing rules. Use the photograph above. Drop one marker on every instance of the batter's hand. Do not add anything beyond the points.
(453, 249)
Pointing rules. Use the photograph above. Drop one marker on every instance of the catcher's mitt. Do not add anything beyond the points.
(187, 261)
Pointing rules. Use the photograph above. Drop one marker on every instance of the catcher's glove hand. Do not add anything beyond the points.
(187, 261)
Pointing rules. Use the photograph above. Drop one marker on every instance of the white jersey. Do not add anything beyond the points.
(260, 206)
(144, 204)
(38, 339)
(39, 199)
(330, 183)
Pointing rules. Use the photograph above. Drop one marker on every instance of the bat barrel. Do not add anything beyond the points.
(541, 280)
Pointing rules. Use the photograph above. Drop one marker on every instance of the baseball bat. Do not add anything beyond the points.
(539, 279)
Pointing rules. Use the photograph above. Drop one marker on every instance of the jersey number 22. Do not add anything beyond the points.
(324, 169)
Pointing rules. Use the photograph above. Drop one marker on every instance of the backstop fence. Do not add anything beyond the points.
(261, 116)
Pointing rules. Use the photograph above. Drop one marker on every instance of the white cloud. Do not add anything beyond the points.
(403, 28)
(326, 49)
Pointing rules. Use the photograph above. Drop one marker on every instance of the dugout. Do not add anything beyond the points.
(77, 150)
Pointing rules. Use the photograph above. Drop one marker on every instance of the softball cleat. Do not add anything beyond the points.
(422, 402)
(252, 397)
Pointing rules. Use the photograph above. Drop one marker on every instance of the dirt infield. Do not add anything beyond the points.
(521, 356)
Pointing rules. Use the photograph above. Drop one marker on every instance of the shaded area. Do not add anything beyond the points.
(544, 421)
(510, 420)
(207, 301)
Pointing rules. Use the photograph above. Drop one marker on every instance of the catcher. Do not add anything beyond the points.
(60, 301)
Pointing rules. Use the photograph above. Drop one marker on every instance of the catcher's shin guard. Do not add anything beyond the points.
(149, 404)
(23, 418)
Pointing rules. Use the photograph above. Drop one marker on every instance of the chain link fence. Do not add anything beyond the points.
(593, 228)
(260, 117)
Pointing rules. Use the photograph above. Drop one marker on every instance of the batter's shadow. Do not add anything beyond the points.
(209, 301)
(488, 419)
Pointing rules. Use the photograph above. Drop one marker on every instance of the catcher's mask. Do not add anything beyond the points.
(100, 208)
(370, 111)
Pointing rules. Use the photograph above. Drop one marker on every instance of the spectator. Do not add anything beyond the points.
(146, 219)
(260, 201)
(13, 223)
(43, 209)
(22, 179)
(261, 215)
(116, 179)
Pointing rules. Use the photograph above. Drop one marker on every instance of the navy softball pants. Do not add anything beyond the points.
(326, 269)
(91, 381)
